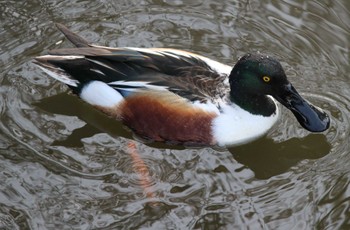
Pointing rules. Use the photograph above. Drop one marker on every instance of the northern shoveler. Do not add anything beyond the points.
(180, 97)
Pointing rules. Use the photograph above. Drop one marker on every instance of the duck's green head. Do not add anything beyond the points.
(256, 75)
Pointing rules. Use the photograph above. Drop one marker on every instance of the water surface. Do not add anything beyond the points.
(65, 165)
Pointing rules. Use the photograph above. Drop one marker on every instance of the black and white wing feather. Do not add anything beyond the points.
(131, 69)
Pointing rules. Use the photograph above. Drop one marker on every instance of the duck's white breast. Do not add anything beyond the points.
(237, 126)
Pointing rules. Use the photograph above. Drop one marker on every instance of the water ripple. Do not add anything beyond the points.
(64, 164)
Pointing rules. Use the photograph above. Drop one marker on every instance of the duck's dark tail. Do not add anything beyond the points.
(72, 37)
(45, 63)
(64, 67)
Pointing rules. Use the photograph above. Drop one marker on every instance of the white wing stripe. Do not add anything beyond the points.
(139, 84)
(97, 71)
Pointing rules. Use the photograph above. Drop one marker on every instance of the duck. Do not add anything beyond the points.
(179, 97)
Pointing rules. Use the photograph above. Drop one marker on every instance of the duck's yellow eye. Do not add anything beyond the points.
(266, 78)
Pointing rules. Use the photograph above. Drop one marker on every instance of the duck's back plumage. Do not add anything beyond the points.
(129, 68)
(125, 69)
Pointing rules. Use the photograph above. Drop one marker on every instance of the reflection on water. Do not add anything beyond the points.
(267, 158)
(64, 164)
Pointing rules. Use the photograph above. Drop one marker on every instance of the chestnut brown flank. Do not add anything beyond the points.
(161, 117)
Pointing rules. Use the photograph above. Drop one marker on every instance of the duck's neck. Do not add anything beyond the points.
(255, 104)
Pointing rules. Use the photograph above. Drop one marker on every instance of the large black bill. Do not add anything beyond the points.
(310, 117)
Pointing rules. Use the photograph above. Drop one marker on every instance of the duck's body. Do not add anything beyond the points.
(172, 95)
